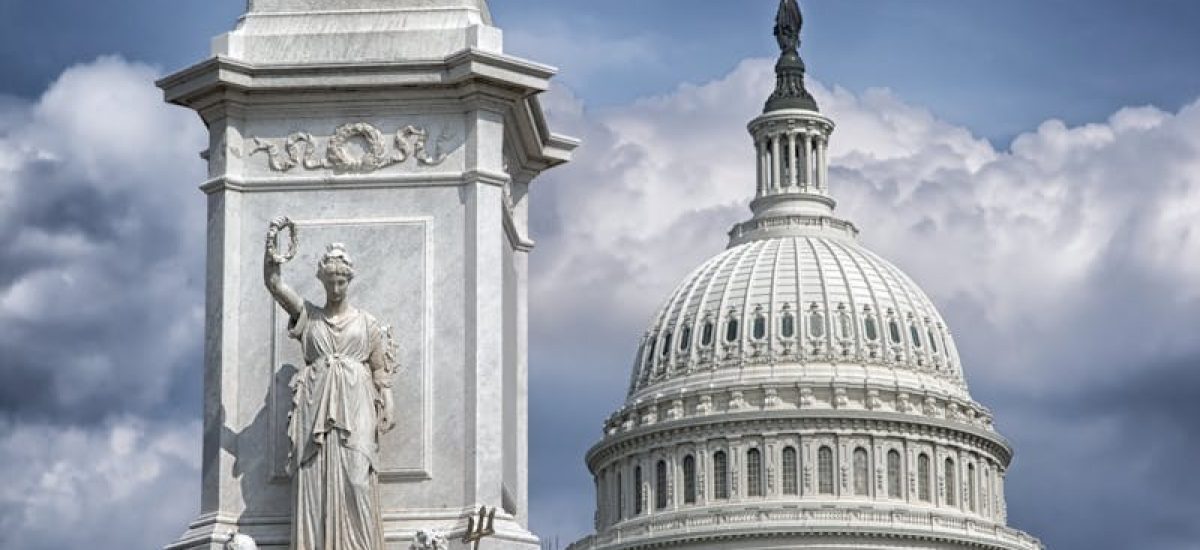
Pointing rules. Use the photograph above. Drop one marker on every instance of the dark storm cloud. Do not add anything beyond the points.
(100, 249)
(1108, 464)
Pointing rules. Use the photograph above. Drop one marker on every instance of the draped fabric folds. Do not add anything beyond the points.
(333, 432)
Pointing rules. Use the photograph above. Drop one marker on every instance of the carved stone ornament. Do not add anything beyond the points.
(300, 149)
(273, 240)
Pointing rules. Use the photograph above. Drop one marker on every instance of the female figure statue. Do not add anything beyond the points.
(341, 402)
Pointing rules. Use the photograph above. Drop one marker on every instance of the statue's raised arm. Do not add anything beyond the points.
(273, 261)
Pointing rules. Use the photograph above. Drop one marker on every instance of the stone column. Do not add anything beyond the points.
(823, 165)
(809, 162)
(760, 150)
(775, 163)
(794, 167)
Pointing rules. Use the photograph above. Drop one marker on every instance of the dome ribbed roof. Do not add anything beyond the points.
(797, 306)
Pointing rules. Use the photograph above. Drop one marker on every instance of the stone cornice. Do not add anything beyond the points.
(776, 521)
(757, 422)
(349, 181)
(471, 76)
(778, 226)
(518, 75)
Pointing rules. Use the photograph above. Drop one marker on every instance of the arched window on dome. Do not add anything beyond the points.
(816, 323)
(862, 474)
(893, 473)
(689, 479)
(825, 470)
(754, 477)
(685, 338)
(666, 345)
(759, 330)
(932, 341)
(706, 333)
(620, 498)
(870, 327)
(731, 330)
(638, 491)
(660, 485)
(790, 467)
(894, 330)
(951, 482)
(845, 328)
(914, 335)
(923, 478)
(787, 324)
(971, 488)
(720, 475)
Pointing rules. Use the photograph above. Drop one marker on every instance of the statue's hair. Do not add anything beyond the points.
(335, 261)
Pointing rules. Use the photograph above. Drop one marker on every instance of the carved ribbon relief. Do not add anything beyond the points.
(378, 152)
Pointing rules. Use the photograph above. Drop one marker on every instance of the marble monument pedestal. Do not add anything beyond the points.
(400, 128)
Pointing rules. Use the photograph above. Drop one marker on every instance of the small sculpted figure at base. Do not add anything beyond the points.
(341, 403)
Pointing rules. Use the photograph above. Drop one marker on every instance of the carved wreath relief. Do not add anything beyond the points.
(300, 149)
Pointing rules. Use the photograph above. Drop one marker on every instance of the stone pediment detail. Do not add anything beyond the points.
(357, 147)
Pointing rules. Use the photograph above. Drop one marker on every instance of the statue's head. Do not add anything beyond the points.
(335, 270)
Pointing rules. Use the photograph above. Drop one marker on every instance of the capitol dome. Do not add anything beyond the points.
(797, 390)
(812, 307)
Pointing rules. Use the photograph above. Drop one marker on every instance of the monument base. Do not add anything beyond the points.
(213, 531)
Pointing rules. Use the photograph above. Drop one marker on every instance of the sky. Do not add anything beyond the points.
(1033, 165)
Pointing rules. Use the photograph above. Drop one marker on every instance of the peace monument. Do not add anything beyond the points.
(386, 147)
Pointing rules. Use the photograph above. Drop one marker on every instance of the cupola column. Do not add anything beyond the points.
(757, 178)
(808, 166)
(792, 164)
(775, 172)
(823, 164)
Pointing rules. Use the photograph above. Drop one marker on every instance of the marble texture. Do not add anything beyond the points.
(349, 31)
(441, 250)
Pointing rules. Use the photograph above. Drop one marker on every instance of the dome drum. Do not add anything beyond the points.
(687, 478)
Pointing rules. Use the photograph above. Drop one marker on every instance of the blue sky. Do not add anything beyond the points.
(1034, 165)
(996, 67)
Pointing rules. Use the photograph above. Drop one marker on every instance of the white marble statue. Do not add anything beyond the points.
(341, 402)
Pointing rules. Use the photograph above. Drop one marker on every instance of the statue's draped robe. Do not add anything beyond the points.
(335, 415)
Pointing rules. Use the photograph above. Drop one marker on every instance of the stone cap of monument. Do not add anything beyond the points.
(350, 31)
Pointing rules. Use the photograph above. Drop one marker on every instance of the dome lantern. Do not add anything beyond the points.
(791, 142)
